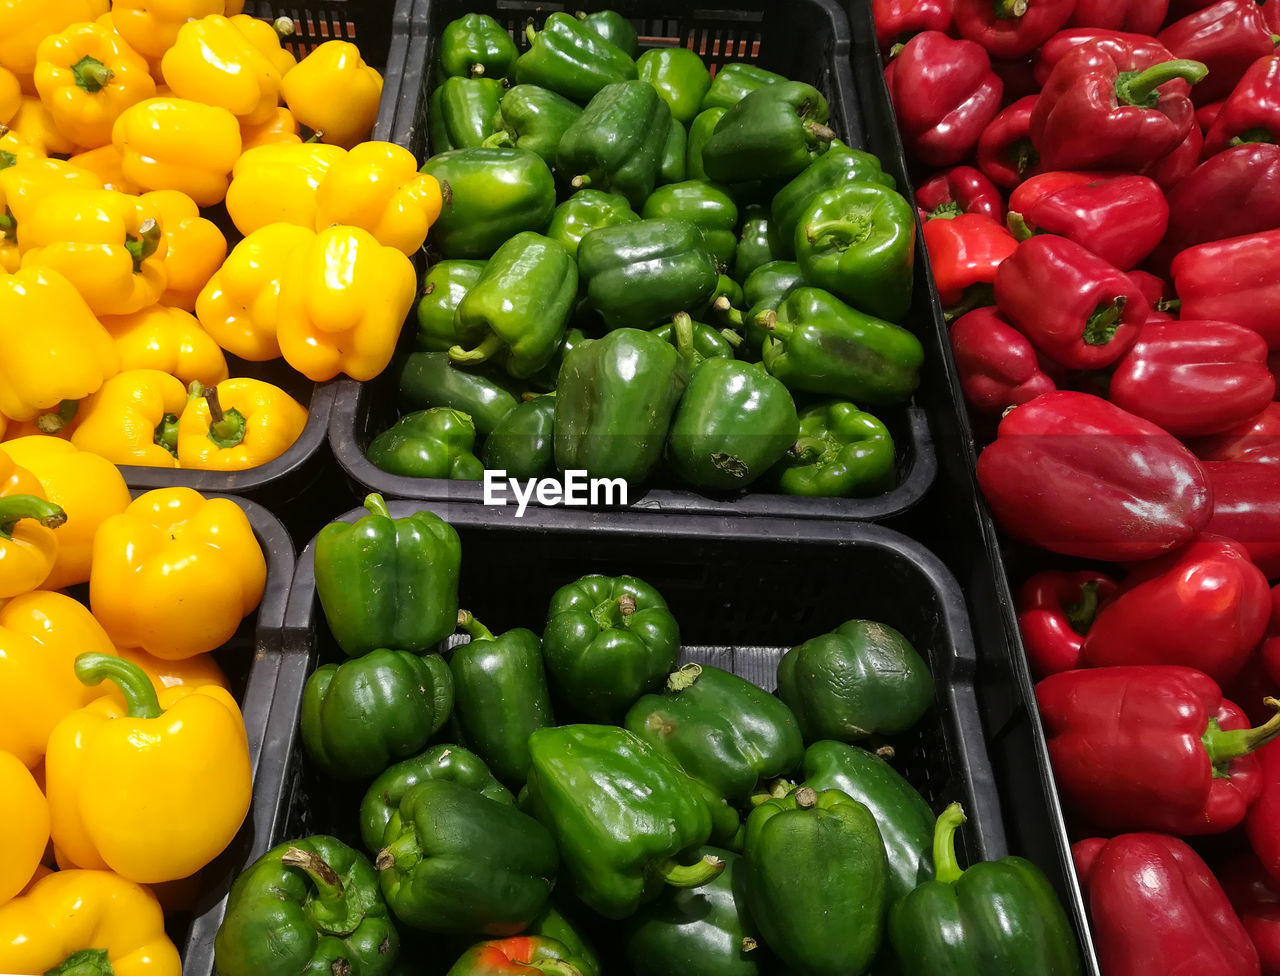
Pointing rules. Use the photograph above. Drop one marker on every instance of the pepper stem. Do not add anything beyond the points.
(1252, 135)
(1225, 746)
(731, 337)
(1139, 88)
(688, 875)
(52, 423)
(490, 347)
(682, 329)
(474, 628)
(1103, 323)
(946, 211)
(1080, 615)
(1022, 154)
(226, 428)
(808, 447)
(145, 244)
(848, 230)
(139, 693)
(477, 70)
(375, 504)
(283, 26)
(9, 226)
(806, 798)
(725, 309)
(86, 962)
(1011, 9)
(15, 508)
(578, 182)
(91, 74)
(820, 132)
(167, 433)
(1017, 225)
(945, 865)
(684, 677)
(530, 33)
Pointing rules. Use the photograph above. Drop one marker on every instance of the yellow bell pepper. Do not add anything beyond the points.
(133, 419)
(377, 186)
(4, 426)
(41, 633)
(175, 573)
(107, 165)
(196, 248)
(73, 911)
(241, 423)
(34, 122)
(14, 147)
(194, 672)
(239, 306)
(151, 27)
(342, 302)
(334, 93)
(90, 489)
(24, 814)
(213, 62)
(24, 23)
(28, 544)
(169, 340)
(176, 144)
(280, 128)
(52, 348)
(86, 77)
(109, 245)
(24, 185)
(277, 184)
(266, 38)
(10, 95)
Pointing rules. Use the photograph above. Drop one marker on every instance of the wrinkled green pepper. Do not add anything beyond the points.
(430, 379)
(841, 452)
(585, 211)
(475, 45)
(572, 59)
(679, 76)
(615, 29)
(434, 443)
(671, 168)
(700, 130)
(535, 119)
(773, 133)
(708, 343)
(616, 143)
(758, 242)
(443, 286)
(835, 167)
(733, 82)
(705, 206)
(523, 444)
(463, 112)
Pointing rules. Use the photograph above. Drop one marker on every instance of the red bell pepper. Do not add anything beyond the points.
(1147, 49)
(1154, 288)
(1256, 440)
(1251, 113)
(998, 368)
(1233, 280)
(1205, 606)
(1172, 169)
(1226, 37)
(1156, 908)
(1005, 152)
(1068, 470)
(1263, 822)
(1246, 507)
(1194, 378)
(1269, 650)
(1010, 28)
(944, 93)
(1206, 115)
(522, 955)
(1181, 8)
(899, 20)
(1138, 16)
(1255, 896)
(1106, 105)
(964, 253)
(1121, 219)
(960, 190)
(1056, 608)
(1151, 748)
(1077, 309)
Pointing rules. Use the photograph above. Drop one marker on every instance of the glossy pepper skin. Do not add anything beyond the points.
(965, 251)
(279, 183)
(998, 367)
(1245, 509)
(1233, 280)
(944, 93)
(679, 77)
(1056, 608)
(28, 545)
(700, 130)
(706, 206)
(214, 62)
(997, 917)
(238, 424)
(194, 249)
(1010, 28)
(959, 190)
(1257, 440)
(133, 418)
(571, 59)
(523, 442)
(1006, 154)
(535, 119)
(1251, 113)
(1227, 36)
(377, 187)
(456, 862)
(315, 903)
(772, 133)
(1255, 896)
(758, 241)
(830, 171)
(464, 112)
(1260, 822)
(840, 452)
(23, 804)
(430, 379)
(522, 955)
(442, 289)
(476, 45)
(334, 93)
(1137, 16)
(434, 443)
(360, 716)
(614, 28)
(1156, 903)
(585, 211)
(175, 144)
(616, 143)
(897, 21)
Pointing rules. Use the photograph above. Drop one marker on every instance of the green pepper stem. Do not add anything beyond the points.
(578, 182)
(1169, 305)
(1080, 615)
(945, 865)
(476, 70)
(226, 428)
(682, 329)
(474, 628)
(15, 508)
(51, 423)
(749, 944)
(724, 308)
(684, 677)
(1224, 746)
(145, 244)
(328, 884)
(1103, 323)
(530, 33)
(731, 337)
(947, 211)
(91, 74)
(166, 434)
(9, 226)
(819, 131)
(488, 348)
(1140, 88)
(1011, 9)
(1023, 155)
(86, 962)
(1252, 135)
(1017, 225)
(806, 798)
(404, 851)
(501, 138)
(139, 693)
(846, 229)
(808, 447)
(375, 504)
(688, 875)
(283, 26)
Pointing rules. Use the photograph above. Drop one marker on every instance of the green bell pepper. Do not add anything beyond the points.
(720, 729)
(434, 443)
(442, 289)
(834, 168)
(476, 44)
(554, 924)
(519, 309)
(862, 679)
(858, 242)
(616, 143)
(361, 716)
(763, 291)
(608, 640)
(535, 119)
(707, 207)
(639, 275)
(430, 379)
(733, 82)
(456, 862)
(615, 29)
(708, 343)
(490, 194)
(585, 211)
(522, 955)
(758, 242)
(621, 816)
(728, 293)
(671, 168)
(773, 133)
(679, 76)
(523, 444)
(815, 880)
(841, 452)
(818, 344)
(451, 762)
(500, 693)
(463, 112)
(388, 583)
(307, 906)
(998, 918)
(700, 130)
(572, 59)
(614, 404)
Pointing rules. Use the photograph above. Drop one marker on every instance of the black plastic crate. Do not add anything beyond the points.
(807, 40)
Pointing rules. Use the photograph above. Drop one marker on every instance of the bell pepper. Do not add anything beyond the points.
(264, 35)
(169, 340)
(944, 93)
(1246, 507)
(238, 424)
(376, 186)
(1006, 155)
(1154, 902)
(586, 211)
(892, 689)
(463, 113)
(184, 749)
(34, 125)
(1177, 166)
(956, 191)
(964, 252)
(996, 916)
(1251, 113)
(86, 921)
(281, 127)
(334, 93)
(614, 28)
(733, 82)
(90, 489)
(523, 442)
(1233, 280)
(361, 716)
(607, 641)
(1260, 822)
(700, 130)
(443, 286)
(194, 249)
(23, 27)
(1255, 896)
(841, 452)
(774, 132)
(998, 367)
(26, 812)
(279, 184)
(763, 291)
(307, 905)
(28, 545)
(535, 119)
(679, 77)
(133, 419)
(706, 206)
(616, 144)
(1256, 440)
(451, 762)
(385, 583)
(214, 62)
(817, 344)
(1056, 608)
(897, 21)
(523, 955)
(152, 29)
(1010, 28)
(830, 171)
(758, 241)
(434, 443)
(1067, 470)
(86, 76)
(197, 671)
(1227, 36)
(107, 166)
(173, 144)
(456, 862)
(430, 379)
(1137, 16)
(815, 880)
(571, 59)
(476, 45)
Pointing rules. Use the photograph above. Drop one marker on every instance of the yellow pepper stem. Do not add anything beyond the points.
(86, 962)
(51, 423)
(283, 26)
(226, 428)
(139, 693)
(91, 74)
(145, 244)
(15, 508)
